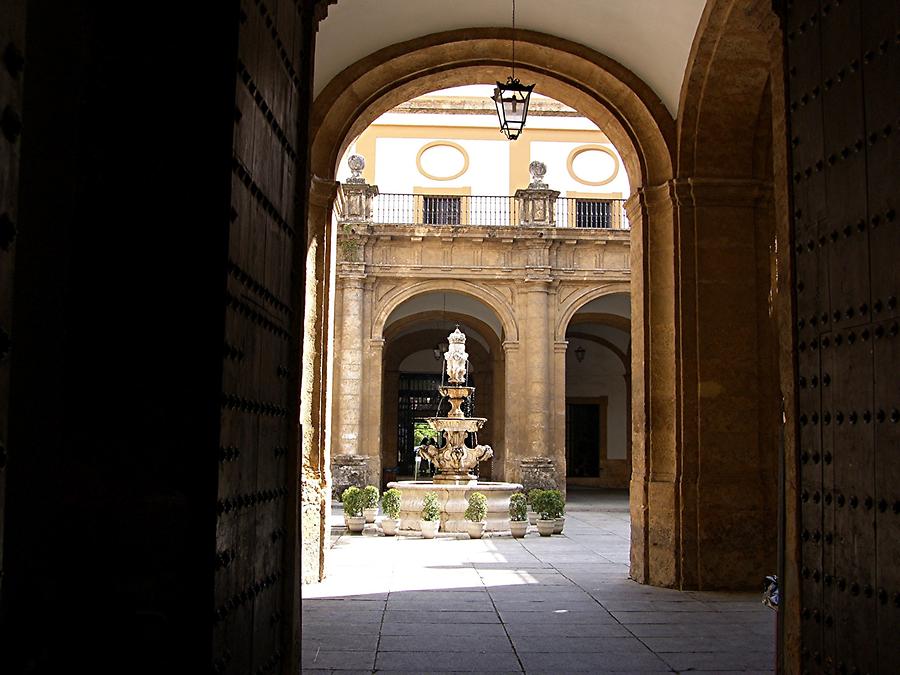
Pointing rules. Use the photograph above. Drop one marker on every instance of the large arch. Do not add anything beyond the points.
(609, 94)
(582, 297)
(493, 299)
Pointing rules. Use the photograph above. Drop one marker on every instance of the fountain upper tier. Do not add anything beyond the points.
(454, 459)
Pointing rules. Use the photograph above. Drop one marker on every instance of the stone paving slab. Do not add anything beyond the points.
(438, 661)
(338, 660)
(458, 643)
(539, 605)
(590, 662)
(449, 630)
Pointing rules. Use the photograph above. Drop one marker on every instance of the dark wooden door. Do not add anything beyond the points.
(256, 582)
(843, 63)
(12, 42)
(151, 500)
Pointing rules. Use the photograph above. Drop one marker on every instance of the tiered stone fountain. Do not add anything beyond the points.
(454, 460)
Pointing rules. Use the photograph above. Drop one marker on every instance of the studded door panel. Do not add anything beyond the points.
(12, 44)
(843, 62)
(256, 482)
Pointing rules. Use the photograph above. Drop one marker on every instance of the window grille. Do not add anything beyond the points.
(593, 213)
(441, 210)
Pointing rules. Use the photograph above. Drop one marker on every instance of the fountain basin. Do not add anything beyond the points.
(454, 500)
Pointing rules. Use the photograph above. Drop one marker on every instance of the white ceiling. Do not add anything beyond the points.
(650, 37)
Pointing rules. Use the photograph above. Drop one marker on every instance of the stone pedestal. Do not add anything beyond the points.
(538, 473)
(537, 203)
(347, 470)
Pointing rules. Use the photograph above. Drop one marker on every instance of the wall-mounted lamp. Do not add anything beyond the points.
(579, 353)
(439, 350)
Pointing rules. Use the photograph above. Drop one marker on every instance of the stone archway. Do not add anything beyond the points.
(662, 331)
(590, 389)
(603, 90)
(491, 298)
(421, 332)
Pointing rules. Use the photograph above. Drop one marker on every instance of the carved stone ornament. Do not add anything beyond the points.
(356, 163)
(456, 357)
(538, 170)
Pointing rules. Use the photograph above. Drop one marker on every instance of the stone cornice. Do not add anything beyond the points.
(721, 192)
(491, 233)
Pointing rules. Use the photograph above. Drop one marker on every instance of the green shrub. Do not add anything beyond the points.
(431, 509)
(531, 496)
(390, 503)
(370, 497)
(477, 509)
(549, 504)
(353, 501)
(518, 507)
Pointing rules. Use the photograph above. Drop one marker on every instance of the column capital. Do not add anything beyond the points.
(560, 346)
(349, 277)
(322, 192)
(510, 346)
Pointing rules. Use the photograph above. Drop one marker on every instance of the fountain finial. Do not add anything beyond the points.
(456, 357)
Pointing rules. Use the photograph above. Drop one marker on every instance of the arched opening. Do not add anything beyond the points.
(415, 337)
(598, 393)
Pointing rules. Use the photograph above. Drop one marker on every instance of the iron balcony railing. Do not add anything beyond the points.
(424, 209)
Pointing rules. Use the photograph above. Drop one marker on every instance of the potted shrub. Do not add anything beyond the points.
(390, 504)
(549, 506)
(475, 514)
(431, 515)
(532, 512)
(370, 503)
(518, 515)
(560, 519)
(352, 499)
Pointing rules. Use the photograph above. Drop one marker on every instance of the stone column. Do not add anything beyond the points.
(314, 468)
(653, 491)
(537, 365)
(372, 409)
(355, 200)
(513, 411)
(558, 411)
(350, 359)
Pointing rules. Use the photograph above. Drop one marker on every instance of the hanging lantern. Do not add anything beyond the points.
(512, 100)
(579, 353)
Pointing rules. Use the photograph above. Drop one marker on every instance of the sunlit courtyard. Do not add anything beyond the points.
(535, 605)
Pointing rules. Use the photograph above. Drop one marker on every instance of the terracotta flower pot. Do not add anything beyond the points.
(429, 528)
(546, 527)
(518, 528)
(370, 514)
(560, 524)
(356, 523)
(389, 526)
(476, 529)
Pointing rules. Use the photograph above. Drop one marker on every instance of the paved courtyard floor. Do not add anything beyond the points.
(562, 604)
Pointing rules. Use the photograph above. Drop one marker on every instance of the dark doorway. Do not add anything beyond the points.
(584, 431)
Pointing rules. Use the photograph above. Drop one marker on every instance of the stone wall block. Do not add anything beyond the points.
(538, 472)
(347, 470)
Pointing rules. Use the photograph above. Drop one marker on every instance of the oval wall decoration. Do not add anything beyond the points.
(442, 160)
(593, 165)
